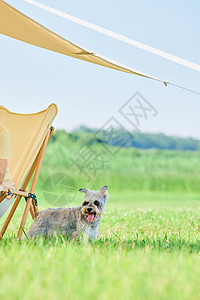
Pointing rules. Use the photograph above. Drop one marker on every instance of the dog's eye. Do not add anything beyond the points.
(85, 203)
(96, 203)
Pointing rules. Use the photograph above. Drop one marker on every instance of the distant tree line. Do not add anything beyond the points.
(137, 139)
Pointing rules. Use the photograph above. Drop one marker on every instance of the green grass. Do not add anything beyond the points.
(148, 248)
(149, 243)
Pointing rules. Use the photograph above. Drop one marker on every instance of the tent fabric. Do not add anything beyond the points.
(19, 26)
(27, 133)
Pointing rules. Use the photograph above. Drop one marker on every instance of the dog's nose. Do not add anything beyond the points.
(89, 209)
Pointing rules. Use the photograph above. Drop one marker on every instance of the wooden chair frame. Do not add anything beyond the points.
(31, 204)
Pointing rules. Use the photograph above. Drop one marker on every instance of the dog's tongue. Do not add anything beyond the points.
(90, 217)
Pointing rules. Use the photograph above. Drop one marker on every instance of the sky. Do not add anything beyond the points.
(31, 78)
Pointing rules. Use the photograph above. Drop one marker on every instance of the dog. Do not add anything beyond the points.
(72, 222)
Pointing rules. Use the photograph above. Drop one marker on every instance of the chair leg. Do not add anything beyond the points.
(24, 218)
(10, 215)
(34, 206)
(32, 211)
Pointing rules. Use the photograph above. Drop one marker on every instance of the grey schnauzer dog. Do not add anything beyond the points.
(72, 222)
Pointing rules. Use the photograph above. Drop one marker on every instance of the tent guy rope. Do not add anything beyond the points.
(117, 36)
(125, 39)
(15, 24)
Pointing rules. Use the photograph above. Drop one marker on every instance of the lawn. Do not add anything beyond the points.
(149, 243)
(148, 248)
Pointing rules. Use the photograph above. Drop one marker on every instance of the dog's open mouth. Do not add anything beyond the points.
(91, 217)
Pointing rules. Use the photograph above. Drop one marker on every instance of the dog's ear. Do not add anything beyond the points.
(104, 192)
(83, 190)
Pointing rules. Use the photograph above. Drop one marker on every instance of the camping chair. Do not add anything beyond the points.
(29, 135)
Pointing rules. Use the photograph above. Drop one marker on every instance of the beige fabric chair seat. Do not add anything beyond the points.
(29, 135)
